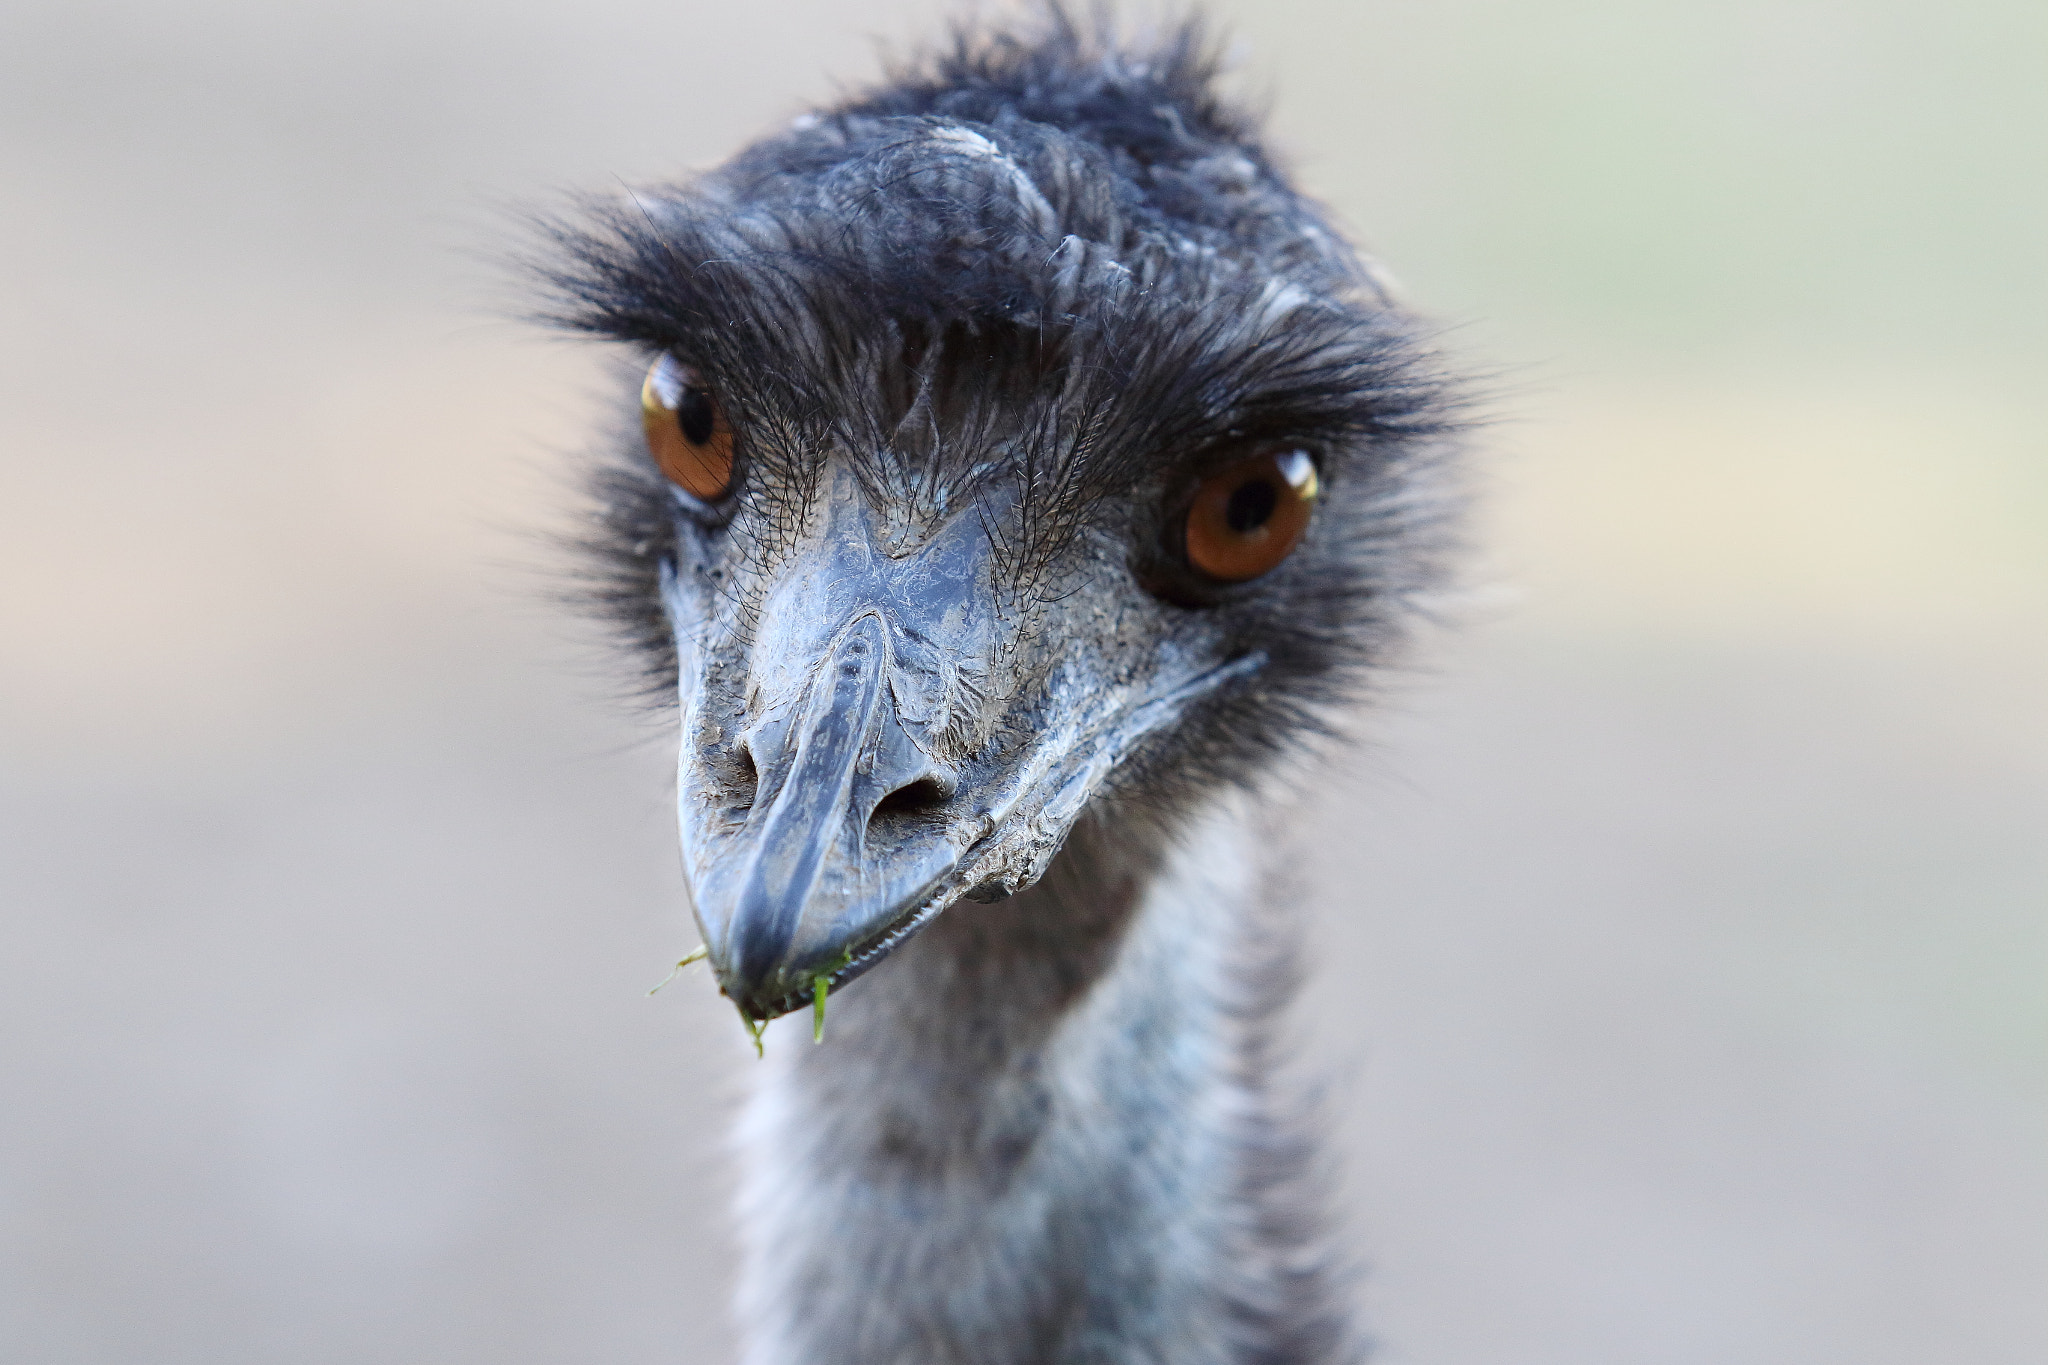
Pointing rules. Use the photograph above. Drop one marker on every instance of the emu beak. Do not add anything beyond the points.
(802, 889)
(846, 709)
(885, 739)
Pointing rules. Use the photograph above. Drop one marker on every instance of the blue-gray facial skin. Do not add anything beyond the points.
(911, 737)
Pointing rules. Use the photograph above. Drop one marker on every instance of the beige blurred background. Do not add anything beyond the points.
(1681, 936)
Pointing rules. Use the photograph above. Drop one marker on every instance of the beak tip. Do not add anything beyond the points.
(761, 977)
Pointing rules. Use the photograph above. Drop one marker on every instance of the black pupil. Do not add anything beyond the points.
(1251, 505)
(697, 416)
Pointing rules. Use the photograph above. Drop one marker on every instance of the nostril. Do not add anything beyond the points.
(746, 778)
(915, 800)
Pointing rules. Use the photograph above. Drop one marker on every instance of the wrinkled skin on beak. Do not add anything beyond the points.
(877, 725)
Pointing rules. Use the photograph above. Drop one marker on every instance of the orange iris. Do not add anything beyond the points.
(686, 431)
(1248, 517)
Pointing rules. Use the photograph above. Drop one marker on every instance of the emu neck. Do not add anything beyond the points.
(1037, 1134)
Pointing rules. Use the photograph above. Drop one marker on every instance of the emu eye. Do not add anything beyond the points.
(686, 431)
(1248, 517)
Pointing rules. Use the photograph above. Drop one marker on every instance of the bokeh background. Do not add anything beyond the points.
(1680, 936)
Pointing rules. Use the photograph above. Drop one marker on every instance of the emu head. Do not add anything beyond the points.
(999, 451)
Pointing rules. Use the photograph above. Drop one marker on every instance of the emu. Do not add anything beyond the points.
(1023, 476)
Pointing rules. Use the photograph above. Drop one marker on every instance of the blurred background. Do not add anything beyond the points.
(1683, 932)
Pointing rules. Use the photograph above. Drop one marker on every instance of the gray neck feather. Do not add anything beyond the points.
(1040, 1133)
